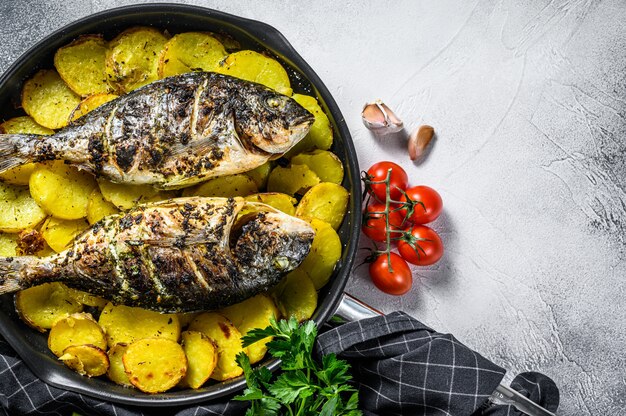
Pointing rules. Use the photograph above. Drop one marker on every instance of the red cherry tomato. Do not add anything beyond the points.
(374, 226)
(422, 214)
(396, 282)
(421, 245)
(397, 180)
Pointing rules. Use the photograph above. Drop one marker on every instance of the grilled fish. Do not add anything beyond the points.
(180, 255)
(172, 133)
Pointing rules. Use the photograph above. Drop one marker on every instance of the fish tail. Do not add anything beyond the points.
(16, 150)
(14, 273)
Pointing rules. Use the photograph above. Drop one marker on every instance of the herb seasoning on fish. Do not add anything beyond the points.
(180, 255)
(172, 133)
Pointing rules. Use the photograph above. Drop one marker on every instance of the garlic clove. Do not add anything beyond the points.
(418, 141)
(380, 119)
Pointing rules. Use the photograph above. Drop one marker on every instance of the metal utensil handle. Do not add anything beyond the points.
(351, 309)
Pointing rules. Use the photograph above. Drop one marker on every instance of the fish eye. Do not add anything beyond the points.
(274, 102)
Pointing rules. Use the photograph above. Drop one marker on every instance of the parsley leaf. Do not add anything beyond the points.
(304, 387)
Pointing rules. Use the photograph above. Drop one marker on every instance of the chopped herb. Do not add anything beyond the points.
(304, 387)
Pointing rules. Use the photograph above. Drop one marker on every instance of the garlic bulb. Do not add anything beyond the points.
(380, 119)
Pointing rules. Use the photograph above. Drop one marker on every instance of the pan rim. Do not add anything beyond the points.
(273, 40)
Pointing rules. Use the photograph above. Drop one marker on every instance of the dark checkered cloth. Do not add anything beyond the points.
(401, 367)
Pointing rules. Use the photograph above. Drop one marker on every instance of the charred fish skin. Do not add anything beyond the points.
(173, 132)
(182, 255)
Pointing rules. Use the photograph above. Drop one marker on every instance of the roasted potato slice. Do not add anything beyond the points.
(8, 244)
(201, 353)
(224, 186)
(81, 65)
(116, 372)
(260, 174)
(295, 179)
(59, 234)
(326, 201)
(325, 164)
(76, 329)
(295, 296)
(18, 210)
(320, 135)
(127, 196)
(87, 299)
(48, 100)
(126, 324)
(41, 306)
(91, 103)
(190, 51)
(324, 254)
(132, 59)
(62, 190)
(98, 207)
(282, 202)
(25, 124)
(86, 360)
(228, 340)
(252, 66)
(154, 365)
(254, 312)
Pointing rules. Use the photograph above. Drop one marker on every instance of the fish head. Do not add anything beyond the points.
(267, 240)
(272, 122)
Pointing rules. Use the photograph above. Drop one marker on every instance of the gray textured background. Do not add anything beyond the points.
(529, 103)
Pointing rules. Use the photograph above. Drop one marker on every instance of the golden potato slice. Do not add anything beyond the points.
(125, 324)
(127, 196)
(62, 190)
(324, 254)
(132, 59)
(91, 103)
(190, 51)
(48, 100)
(86, 360)
(325, 164)
(24, 124)
(224, 186)
(295, 179)
(8, 244)
(295, 296)
(228, 340)
(320, 136)
(59, 234)
(326, 201)
(81, 65)
(87, 299)
(18, 210)
(41, 306)
(116, 372)
(98, 207)
(260, 174)
(254, 312)
(202, 355)
(154, 365)
(76, 329)
(252, 66)
(282, 202)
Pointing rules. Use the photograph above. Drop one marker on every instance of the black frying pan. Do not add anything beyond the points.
(177, 18)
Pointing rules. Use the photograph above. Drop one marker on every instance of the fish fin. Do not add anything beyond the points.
(15, 150)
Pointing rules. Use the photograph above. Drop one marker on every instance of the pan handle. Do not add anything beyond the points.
(351, 309)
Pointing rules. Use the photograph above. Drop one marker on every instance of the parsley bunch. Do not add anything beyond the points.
(303, 387)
